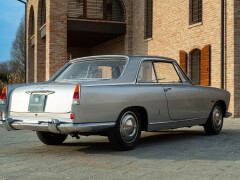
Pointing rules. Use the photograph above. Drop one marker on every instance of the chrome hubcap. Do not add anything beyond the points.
(128, 127)
(217, 118)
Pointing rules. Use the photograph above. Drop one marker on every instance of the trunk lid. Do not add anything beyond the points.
(54, 97)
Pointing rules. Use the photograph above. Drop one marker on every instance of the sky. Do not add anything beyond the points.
(11, 13)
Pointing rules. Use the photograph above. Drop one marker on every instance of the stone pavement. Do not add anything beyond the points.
(175, 154)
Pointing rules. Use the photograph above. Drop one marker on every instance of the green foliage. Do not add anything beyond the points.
(11, 78)
(4, 77)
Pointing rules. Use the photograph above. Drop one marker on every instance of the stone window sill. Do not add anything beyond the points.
(32, 37)
(43, 26)
(148, 39)
(195, 25)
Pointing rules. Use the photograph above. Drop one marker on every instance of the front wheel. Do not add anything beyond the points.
(214, 123)
(126, 134)
(51, 138)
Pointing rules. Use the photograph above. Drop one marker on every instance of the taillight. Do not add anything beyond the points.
(71, 115)
(3, 95)
(76, 95)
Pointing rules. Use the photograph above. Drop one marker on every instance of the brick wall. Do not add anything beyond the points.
(139, 44)
(48, 55)
(114, 46)
(233, 64)
(56, 37)
(41, 49)
(171, 33)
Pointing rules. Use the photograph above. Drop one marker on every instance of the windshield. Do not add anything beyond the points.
(92, 70)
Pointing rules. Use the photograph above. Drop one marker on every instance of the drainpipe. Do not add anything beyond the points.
(25, 3)
(222, 43)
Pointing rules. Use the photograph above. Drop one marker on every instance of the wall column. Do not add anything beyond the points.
(56, 36)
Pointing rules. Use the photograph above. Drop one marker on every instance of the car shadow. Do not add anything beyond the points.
(175, 145)
(182, 144)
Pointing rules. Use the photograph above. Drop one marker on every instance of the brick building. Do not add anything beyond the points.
(202, 35)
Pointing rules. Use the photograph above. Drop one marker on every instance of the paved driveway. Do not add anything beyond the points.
(179, 154)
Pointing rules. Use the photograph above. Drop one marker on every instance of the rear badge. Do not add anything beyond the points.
(36, 100)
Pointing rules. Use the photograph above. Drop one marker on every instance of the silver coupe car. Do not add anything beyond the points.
(115, 96)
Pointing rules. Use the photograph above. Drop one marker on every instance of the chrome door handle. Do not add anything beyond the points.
(167, 89)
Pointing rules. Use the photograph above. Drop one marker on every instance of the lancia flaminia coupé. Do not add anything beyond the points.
(114, 96)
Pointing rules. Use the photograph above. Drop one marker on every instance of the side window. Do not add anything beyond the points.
(182, 76)
(146, 73)
(166, 73)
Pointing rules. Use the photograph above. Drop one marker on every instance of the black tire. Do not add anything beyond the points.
(51, 138)
(126, 134)
(214, 124)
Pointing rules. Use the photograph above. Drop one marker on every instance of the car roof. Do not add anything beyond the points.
(130, 57)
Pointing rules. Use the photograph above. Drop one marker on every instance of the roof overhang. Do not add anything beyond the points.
(89, 33)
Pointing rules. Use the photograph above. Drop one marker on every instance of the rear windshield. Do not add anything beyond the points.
(93, 70)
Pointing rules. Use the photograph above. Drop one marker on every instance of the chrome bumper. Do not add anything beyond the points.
(54, 126)
(228, 114)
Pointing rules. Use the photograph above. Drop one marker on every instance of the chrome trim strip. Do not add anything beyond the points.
(56, 126)
(177, 121)
(151, 59)
(228, 114)
(7, 124)
(40, 92)
(1, 124)
(174, 62)
(110, 84)
(97, 57)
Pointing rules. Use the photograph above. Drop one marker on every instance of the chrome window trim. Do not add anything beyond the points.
(140, 64)
(92, 58)
(177, 74)
(189, 81)
(153, 67)
(154, 123)
(164, 61)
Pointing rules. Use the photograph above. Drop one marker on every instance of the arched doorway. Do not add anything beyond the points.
(195, 63)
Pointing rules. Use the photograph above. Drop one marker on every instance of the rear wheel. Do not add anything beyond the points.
(126, 134)
(51, 138)
(214, 123)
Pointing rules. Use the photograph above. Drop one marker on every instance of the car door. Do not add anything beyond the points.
(184, 99)
(155, 100)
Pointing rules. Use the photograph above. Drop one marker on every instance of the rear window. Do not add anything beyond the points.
(94, 69)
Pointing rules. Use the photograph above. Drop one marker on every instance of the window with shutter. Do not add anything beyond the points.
(195, 11)
(31, 23)
(183, 60)
(111, 10)
(43, 13)
(148, 18)
(195, 62)
(205, 65)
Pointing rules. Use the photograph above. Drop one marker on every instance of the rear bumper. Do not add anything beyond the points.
(55, 126)
(228, 114)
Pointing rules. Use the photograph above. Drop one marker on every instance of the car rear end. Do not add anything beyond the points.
(45, 107)
(54, 106)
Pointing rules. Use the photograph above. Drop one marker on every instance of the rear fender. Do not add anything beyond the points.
(3, 111)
